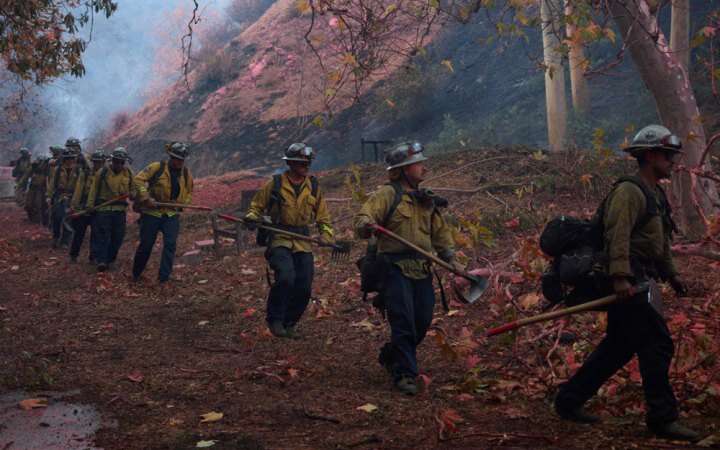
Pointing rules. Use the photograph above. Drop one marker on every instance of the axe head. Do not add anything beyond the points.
(473, 292)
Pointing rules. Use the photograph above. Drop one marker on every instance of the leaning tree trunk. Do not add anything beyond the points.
(669, 83)
(576, 59)
(550, 11)
(680, 31)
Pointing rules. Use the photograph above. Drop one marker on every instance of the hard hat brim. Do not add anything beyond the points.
(305, 160)
(637, 150)
(414, 160)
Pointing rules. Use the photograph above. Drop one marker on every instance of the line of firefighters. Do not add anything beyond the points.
(70, 193)
(637, 238)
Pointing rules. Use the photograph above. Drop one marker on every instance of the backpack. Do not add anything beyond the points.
(577, 248)
(272, 209)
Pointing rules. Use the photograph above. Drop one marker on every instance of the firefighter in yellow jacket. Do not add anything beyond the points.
(167, 182)
(80, 202)
(60, 190)
(108, 226)
(408, 294)
(293, 201)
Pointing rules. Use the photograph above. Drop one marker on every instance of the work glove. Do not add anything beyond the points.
(623, 288)
(326, 240)
(250, 222)
(149, 203)
(678, 286)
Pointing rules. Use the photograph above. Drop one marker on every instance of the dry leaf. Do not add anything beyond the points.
(368, 408)
(530, 300)
(293, 373)
(136, 376)
(32, 403)
(205, 444)
(212, 416)
(365, 323)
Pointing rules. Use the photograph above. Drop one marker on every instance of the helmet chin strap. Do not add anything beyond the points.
(407, 180)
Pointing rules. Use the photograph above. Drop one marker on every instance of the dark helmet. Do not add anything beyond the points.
(178, 150)
(121, 154)
(405, 154)
(73, 143)
(299, 152)
(56, 150)
(98, 155)
(654, 137)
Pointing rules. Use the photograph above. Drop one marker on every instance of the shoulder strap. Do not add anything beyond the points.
(651, 208)
(275, 197)
(130, 179)
(156, 176)
(396, 201)
(186, 178)
(314, 186)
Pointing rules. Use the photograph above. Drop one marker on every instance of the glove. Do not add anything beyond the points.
(623, 288)
(149, 203)
(326, 240)
(678, 286)
(250, 223)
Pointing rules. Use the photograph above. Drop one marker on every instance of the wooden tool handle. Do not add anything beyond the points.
(181, 205)
(107, 203)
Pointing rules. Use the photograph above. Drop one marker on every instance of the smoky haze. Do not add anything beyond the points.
(130, 57)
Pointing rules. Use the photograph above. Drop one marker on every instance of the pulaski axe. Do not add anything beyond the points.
(340, 249)
(477, 284)
(69, 217)
(650, 288)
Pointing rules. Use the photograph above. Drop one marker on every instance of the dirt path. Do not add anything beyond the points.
(154, 359)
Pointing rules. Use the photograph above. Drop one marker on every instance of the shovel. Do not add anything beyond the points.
(340, 249)
(477, 284)
(649, 287)
(68, 217)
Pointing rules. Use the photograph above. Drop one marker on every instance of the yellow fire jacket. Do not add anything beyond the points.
(107, 184)
(422, 225)
(161, 189)
(62, 182)
(295, 210)
(650, 244)
(82, 189)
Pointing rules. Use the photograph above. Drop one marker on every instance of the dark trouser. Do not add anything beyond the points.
(35, 205)
(150, 226)
(409, 304)
(634, 328)
(290, 293)
(109, 233)
(80, 225)
(60, 233)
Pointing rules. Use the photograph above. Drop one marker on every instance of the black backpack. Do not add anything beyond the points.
(577, 272)
(274, 204)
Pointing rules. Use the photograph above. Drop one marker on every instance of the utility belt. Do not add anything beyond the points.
(264, 236)
(117, 203)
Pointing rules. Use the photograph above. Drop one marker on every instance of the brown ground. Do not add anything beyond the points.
(156, 359)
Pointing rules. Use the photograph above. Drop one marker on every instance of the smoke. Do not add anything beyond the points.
(130, 56)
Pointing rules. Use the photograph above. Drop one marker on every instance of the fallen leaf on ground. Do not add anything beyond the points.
(202, 282)
(293, 373)
(202, 323)
(136, 376)
(364, 324)
(447, 419)
(212, 416)
(32, 403)
(205, 444)
(367, 407)
(249, 313)
(247, 272)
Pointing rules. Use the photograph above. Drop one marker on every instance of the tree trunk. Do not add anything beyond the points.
(680, 31)
(550, 11)
(578, 83)
(669, 84)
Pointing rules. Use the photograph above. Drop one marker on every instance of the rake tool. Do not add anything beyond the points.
(68, 217)
(340, 249)
(653, 298)
(477, 284)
